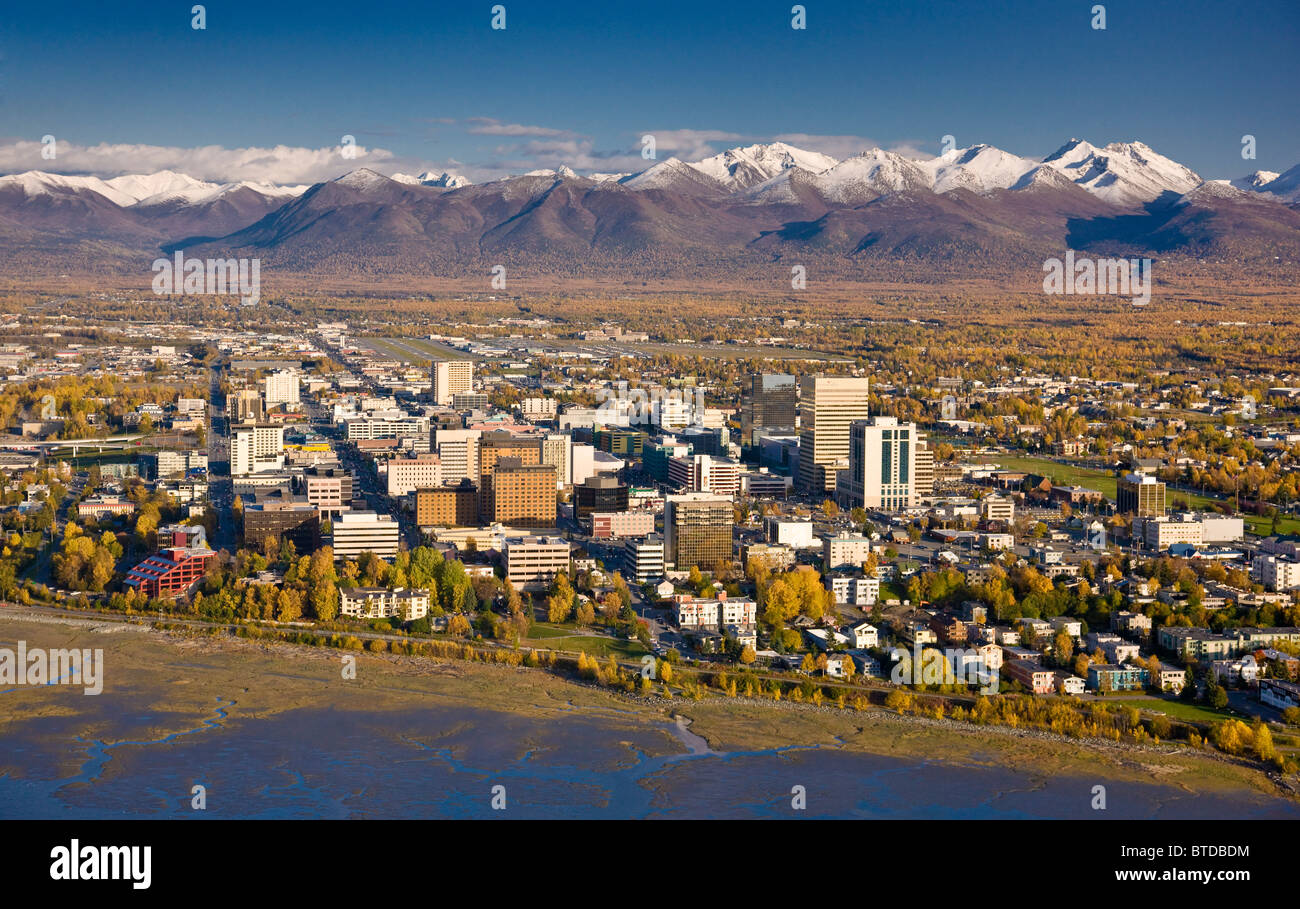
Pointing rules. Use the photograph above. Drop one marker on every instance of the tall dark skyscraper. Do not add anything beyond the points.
(769, 409)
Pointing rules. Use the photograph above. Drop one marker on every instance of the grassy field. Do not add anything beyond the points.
(1105, 482)
(1197, 713)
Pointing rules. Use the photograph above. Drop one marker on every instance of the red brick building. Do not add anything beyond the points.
(170, 572)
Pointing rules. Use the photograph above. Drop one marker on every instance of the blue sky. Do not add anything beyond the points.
(130, 86)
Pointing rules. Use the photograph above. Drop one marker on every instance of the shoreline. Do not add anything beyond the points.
(284, 676)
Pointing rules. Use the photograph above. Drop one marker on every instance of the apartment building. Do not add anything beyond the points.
(381, 603)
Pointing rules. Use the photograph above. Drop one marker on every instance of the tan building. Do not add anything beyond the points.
(523, 451)
(522, 495)
(828, 405)
(533, 562)
(447, 506)
(451, 377)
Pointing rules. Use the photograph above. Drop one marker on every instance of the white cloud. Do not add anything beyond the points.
(281, 164)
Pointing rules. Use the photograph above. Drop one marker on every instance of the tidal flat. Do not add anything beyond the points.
(278, 731)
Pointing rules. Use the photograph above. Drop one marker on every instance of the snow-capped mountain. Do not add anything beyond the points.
(869, 175)
(1123, 173)
(429, 178)
(1251, 182)
(741, 168)
(980, 168)
(729, 210)
(1285, 186)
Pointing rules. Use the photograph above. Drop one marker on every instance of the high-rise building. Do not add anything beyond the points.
(769, 408)
(281, 387)
(557, 450)
(522, 495)
(245, 406)
(406, 475)
(1140, 494)
(447, 506)
(328, 488)
(356, 532)
(256, 448)
(458, 451)
(493, 447)
(451, 377)
(705, 473)
(599, 493)
(923, 478)
(828, 405)
(643, 559)
(882, 464)
(698, 529)
(285, 518)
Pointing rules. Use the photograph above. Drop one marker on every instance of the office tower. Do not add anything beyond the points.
(599, 493)
(769, 409)
(643, 559)
(923, 479)
(522, 495)
(827, 406)
(533, 562)
(405, 475)
(557, 450)
(281, 387)
(285, 518)
(882, 465)
(697, 529)
(1140, 494)
(328, 488)
(458, 451)
(356, 532)
(255, 448)
(496, 446)
(451, 377)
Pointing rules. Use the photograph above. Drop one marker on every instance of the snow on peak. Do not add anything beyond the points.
(39, 183)
(980, 168)
(870, 174)
(144, 186)
(1251, 181)
(1122, 173)
(429, 178)
(361, 178)
(752, 164)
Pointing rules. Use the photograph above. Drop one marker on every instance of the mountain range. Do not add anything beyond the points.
(967, 211)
